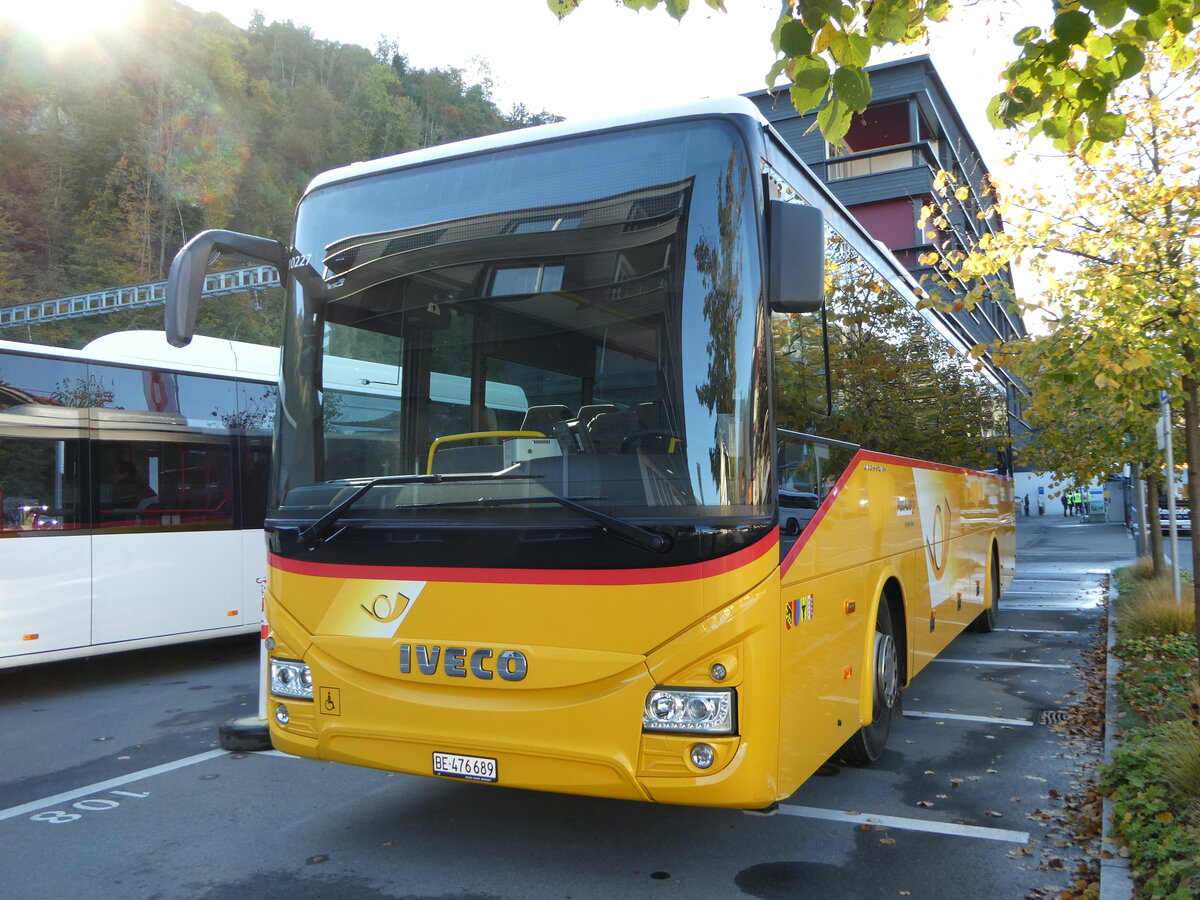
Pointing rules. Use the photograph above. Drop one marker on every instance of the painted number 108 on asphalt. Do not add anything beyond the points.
(92, 804)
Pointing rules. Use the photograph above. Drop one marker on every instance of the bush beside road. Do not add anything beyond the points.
(1153, 780)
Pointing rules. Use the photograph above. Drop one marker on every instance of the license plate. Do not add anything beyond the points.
(472, 768)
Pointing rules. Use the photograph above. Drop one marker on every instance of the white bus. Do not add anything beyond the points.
(133, 485)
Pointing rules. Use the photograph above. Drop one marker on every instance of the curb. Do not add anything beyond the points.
(1116, 880)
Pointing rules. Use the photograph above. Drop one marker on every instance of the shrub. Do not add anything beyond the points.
(1146, 605)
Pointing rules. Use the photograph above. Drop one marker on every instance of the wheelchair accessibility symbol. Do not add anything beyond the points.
(331, 701)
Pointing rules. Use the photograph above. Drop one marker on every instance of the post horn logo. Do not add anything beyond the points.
(938, 537)
(385, 608)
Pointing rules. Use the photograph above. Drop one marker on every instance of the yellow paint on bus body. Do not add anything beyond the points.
(548, 671)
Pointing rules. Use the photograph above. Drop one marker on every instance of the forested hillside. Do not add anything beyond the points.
(113, 155)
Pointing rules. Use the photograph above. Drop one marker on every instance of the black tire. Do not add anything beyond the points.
(867, 744)
(246, 733)
(985, 622)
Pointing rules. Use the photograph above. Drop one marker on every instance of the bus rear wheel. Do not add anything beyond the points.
(985, 622)
(867, 744)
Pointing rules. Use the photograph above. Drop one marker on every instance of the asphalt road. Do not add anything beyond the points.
(113, 785)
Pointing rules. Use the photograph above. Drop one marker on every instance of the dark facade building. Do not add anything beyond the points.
(885, 174)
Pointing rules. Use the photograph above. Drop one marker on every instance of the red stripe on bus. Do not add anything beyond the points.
(875, 456)
(666, 575)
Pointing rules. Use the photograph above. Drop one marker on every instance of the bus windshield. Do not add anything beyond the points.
(582, 317)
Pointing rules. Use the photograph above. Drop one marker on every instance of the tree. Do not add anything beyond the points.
(112, 155)
(1060, 84)
(1118, 256)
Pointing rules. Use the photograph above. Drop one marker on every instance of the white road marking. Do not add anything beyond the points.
(102, 786)
(1015, 594)
(1036, 631)
(960, 717)
(923, 825)
(1001, 663)
(1029, 607)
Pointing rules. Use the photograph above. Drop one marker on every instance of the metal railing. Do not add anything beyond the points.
(133, 296)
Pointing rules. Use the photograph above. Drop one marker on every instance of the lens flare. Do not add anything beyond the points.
(60, 23)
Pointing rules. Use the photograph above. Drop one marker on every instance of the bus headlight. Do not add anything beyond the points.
(685, 710)
(291, 678)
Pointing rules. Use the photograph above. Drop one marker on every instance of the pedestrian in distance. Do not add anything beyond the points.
(1066, 503)
(1026, 504)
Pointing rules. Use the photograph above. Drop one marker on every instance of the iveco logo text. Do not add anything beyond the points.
(456, 662)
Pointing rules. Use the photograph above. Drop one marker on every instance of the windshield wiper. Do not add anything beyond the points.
(319, 530)
(635, 534)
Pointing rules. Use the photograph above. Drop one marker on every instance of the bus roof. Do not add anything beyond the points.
(728, 106)
(141, 348)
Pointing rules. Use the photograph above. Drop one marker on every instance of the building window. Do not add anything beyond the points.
(880, 140)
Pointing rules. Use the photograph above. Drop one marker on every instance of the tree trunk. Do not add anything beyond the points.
(1153, 530)
(1191, 431)
(1139, 510)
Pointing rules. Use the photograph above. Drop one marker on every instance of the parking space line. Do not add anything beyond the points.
(1009, 595)
(1037, 631)
(1032, 607)
(923, 825)
(1007, 664)
(101, 786)
(961, 717)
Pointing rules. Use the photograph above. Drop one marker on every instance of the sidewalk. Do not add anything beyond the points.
(1091, 546)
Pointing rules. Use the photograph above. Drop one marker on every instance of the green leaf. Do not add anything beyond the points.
(852, 85)
(562, 7)
(834, 120)
(1072, 26)
(1109, 13)
(1152, 28)
(937, 10)
(1027, 35)
(795, 39)
(1054, 128)
(1056, 52)
(816, 13)
(677, 8)
(1130, 60)
(1099, 46)
(850, 49)
(775, 71)
(993, 109)
(810, 82)
(1107, 127)
(1144, 7)
(888, 20)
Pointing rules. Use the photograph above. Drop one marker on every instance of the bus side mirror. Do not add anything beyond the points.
(185, 282)
(796, 257)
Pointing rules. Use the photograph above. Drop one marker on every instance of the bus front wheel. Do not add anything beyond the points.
(866, 745)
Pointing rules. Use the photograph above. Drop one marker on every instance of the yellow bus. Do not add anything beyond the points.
(750, 489)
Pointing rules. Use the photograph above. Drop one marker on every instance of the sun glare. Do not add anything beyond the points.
(59, 23)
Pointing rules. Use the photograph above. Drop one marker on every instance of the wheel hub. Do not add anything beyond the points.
(887, 671)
